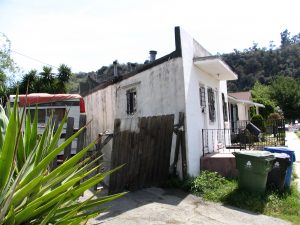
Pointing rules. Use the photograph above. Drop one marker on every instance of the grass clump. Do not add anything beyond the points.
(213, 187)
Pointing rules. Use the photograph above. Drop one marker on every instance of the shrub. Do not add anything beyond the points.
(275, 116)
(30, 193)
(212, 186)
(258, 121)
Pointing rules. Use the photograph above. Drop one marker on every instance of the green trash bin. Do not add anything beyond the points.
(253, 167)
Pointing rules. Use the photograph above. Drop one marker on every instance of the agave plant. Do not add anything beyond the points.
(31, 193)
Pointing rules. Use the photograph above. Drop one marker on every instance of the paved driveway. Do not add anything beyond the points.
(156, 206)
(293, 142)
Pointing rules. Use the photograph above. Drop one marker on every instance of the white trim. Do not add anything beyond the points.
(245, 102)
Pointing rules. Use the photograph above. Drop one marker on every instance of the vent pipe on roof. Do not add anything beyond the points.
(152, 55)
(115, 63)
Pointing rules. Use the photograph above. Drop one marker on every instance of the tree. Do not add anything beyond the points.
(7, 65)
(47, 79)
(285, 38)
(63, 77)
(286, 92)
(262, 94)
(30, 81)
(265, 64)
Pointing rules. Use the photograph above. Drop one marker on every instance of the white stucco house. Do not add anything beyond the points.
(239, 108)
(188, 80)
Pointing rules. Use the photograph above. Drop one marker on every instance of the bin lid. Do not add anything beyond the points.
(286, 150)
(281, 155)
(258, 154)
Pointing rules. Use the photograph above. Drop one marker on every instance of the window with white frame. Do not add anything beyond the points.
(131, 101)
(202, 96)
(211, 104)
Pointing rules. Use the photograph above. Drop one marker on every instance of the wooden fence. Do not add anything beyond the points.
(69, 131)
(144, 146)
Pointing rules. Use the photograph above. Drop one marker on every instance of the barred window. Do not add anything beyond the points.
(202, 96)
(225, 114)
(211, 104)
(131, 101)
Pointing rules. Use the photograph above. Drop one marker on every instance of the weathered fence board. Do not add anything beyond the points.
(69, 133)
(144, 146)
(80, 138)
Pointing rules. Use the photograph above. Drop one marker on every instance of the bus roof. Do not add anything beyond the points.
(38, 98)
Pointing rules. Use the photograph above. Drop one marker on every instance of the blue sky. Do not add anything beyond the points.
(86, 34)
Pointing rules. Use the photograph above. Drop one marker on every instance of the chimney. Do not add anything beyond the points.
(115, 63)
(152, 55)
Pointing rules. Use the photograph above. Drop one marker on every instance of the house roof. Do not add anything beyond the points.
(244, 98)
(216, 67)
(244, 95)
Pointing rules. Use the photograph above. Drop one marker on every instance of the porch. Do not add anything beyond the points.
(219, 144)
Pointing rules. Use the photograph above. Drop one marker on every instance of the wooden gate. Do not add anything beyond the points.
(144, 146)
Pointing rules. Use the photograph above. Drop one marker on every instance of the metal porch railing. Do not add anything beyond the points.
(238, 137)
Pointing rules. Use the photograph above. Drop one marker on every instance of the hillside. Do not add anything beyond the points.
(264, 64)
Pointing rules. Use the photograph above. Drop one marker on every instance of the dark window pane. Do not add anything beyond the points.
(211, 104)
(202, 96)
(225, 114)
(131, 101)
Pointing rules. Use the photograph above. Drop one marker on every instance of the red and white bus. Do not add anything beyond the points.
(46, 104)
(58, 104)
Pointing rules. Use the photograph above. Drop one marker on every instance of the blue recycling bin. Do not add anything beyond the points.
(291, 153)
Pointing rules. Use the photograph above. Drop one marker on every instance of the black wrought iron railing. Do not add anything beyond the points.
(220, 140)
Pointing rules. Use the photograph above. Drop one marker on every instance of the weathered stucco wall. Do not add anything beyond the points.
(159, 90)
(197, 118)
(100, 110)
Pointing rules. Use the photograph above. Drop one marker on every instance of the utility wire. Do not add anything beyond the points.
(29, 57)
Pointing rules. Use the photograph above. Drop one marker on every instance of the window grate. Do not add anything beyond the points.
(202, 96)
(225, 114)
(211, 104)
(131, 101)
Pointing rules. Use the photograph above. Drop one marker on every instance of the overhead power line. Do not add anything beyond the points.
(37, 60)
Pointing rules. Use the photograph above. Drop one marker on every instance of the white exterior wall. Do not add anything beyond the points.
(243, 111)
(160, 91)
(100, 110)
(196, 120)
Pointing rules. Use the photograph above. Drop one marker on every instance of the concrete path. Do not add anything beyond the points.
(155, 206)
(293, 142)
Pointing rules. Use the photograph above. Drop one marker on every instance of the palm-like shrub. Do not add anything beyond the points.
(30, 193)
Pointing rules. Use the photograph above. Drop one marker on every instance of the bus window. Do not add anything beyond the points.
(41, 115)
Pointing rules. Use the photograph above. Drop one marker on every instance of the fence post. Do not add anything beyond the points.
(98, 153)
(80, 139)
(69, 133)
